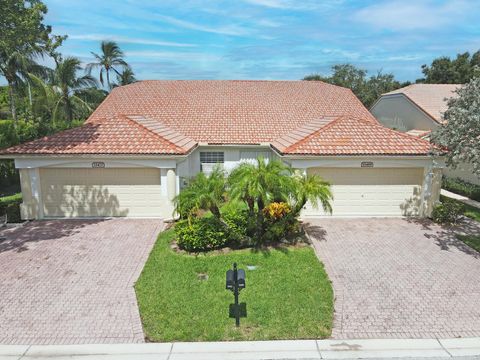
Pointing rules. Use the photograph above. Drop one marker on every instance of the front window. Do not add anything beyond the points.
(210, 159)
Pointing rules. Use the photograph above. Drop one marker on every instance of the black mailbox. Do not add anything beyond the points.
(235, 281)
(241, 279)
(230, 283)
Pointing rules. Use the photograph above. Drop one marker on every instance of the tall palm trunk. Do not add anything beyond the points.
(260, 219)
(11, 98)
(68, 110)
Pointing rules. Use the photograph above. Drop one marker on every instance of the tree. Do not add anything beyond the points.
(24, 36)
(63, 88)
(126, 77)
(444, 70)
(311, 188)
(203, 193)
(368, 90)
(259, 184)
(111, 58)
(461, 132)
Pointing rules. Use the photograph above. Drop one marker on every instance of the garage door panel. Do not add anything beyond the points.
(371, 192)
(102, 192)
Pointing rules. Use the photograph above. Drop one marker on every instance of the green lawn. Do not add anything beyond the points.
(471, 240)
(472, 212)
(288, 296)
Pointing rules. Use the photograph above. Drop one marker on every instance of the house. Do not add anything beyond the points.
(139, 147)
(418, 110)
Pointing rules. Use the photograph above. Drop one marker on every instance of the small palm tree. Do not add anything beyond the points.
(203, 193)
(260, 183)
(111, 58)
(311, 188)
(126, 77)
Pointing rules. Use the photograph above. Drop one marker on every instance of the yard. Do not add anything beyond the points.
(288, 295)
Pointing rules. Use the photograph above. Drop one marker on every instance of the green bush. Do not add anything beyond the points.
(10, 205)
(458, 186)
(201, 234)
(448, 212)
(282, 228)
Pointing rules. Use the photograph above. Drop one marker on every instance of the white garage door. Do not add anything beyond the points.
(372, 192)
(133, 192)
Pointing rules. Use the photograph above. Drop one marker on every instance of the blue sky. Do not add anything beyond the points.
(268, 39)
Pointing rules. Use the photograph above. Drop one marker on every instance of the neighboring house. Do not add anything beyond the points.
(417, 110)
(139, 147)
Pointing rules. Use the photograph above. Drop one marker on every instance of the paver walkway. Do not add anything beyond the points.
(399, 278)
(71, 281)
(460, 198)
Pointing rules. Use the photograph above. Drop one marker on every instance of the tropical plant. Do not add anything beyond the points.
(205, 192)
(110, 58)
(63, 87)
(260, 183)
(126, 77)
(24, 37)
(311, 188)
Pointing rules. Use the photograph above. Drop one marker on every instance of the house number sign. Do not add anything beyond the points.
(366, 164)
(98, 164)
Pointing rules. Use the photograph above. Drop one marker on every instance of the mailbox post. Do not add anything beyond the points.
(235, 281)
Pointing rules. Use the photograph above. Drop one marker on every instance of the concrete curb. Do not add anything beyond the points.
(252, 350)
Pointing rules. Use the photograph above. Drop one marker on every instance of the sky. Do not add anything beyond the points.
(268, 39)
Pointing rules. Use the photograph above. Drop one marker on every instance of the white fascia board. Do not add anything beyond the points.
(56, 162)
(356, 162)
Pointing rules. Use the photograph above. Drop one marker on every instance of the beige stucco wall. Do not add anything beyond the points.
(29, 206)
(464, 172)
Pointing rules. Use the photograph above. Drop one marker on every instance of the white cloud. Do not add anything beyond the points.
(224, 30)
(295, 4)
(129, 40)
(401, 15)
(174, 55)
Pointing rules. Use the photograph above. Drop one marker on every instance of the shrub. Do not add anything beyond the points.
(280, 229)
(276, 210)
(462, 187)
(201, 234)
(448, 212)
(10, 205)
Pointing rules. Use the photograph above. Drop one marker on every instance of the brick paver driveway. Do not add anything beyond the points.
(71, 281)
(399, 278)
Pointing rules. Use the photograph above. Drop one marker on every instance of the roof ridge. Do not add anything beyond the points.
(309, 133)
(168, 134)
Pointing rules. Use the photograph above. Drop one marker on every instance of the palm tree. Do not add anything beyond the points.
(126, 77)
(311, 188)
(110, 58)
(15, 68)
(260, 183)
(63, 86)
(203, 193)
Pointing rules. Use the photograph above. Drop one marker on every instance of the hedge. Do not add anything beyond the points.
(461, 187)
(10, 205)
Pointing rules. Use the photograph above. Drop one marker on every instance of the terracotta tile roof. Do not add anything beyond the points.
(353, 136)
(431, 98)
(232, 112)
(165, 132)
(111, 135)
(172, 117)
(301, 133)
